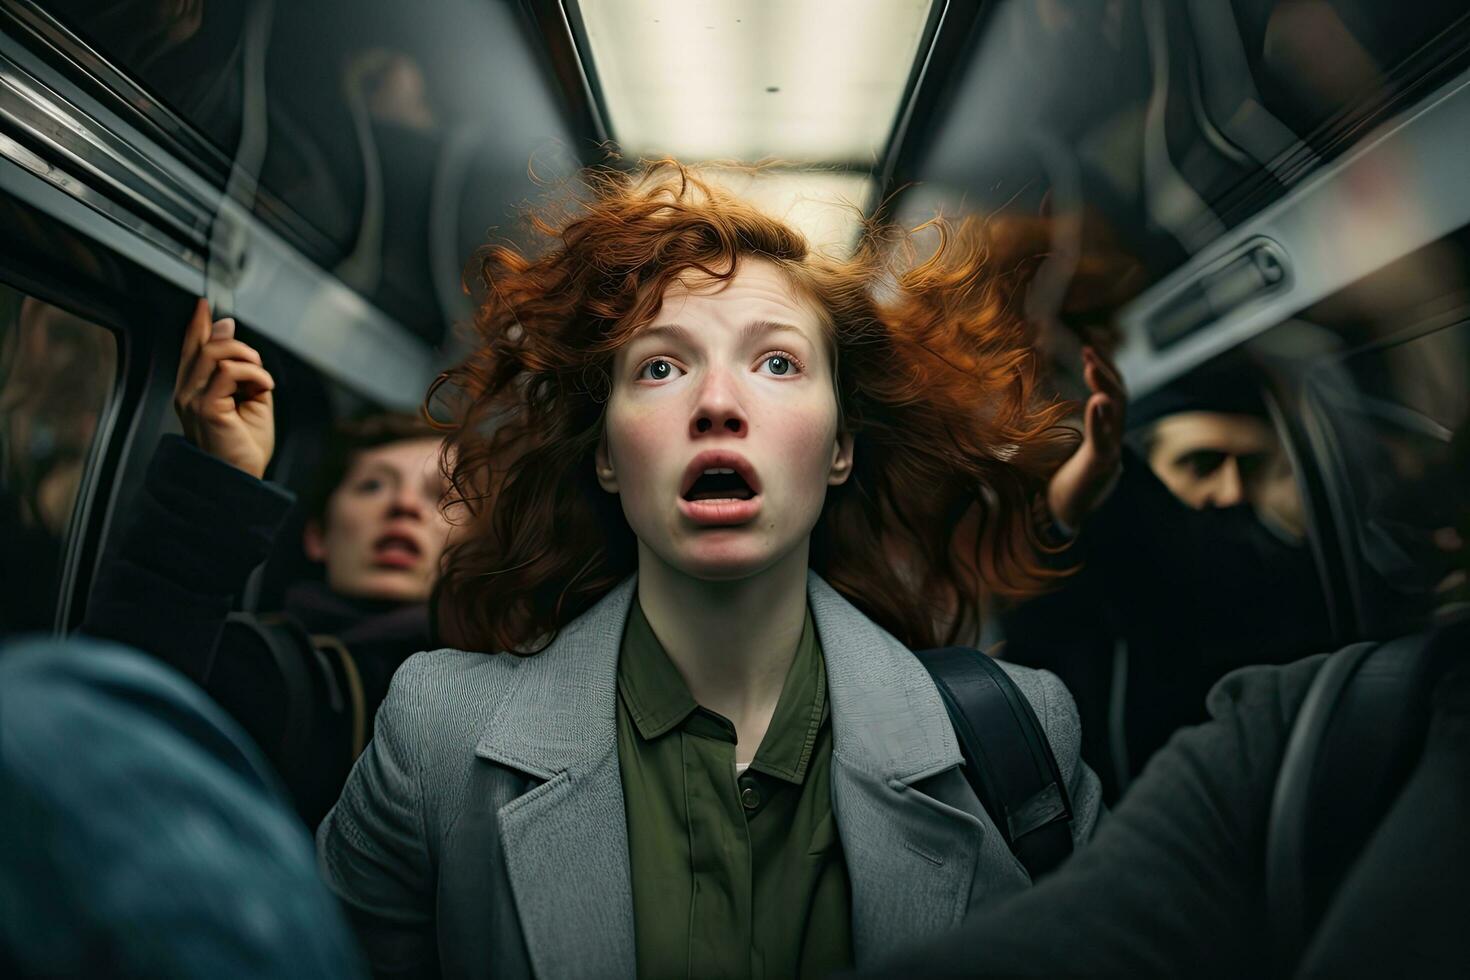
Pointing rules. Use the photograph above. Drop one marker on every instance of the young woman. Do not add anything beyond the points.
(721, 486)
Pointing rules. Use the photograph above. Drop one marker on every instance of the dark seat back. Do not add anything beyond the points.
(1356, 739)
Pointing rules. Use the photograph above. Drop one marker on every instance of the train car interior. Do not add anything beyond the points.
(1259, 210)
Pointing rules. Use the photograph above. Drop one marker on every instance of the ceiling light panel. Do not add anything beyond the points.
(827, 207)
(798, 80)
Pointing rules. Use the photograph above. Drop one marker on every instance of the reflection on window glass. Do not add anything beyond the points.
(185, 52)
(360, 111)
(389, 138)
(1314, 58)
(1398, 416)
(56, 375)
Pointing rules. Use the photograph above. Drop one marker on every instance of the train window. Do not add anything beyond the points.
(57, 373)
(1315, 60)
(381, 140)
(1389, 414)
(189, 59)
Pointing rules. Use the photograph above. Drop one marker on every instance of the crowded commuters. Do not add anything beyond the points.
(1187, 876)
(305, 682)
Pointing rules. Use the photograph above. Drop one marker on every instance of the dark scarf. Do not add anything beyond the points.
(380, 634)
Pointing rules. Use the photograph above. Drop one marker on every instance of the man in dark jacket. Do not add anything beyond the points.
(1174, 882)
(1192, 566)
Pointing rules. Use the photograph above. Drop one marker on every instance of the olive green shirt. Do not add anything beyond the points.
(733, 875)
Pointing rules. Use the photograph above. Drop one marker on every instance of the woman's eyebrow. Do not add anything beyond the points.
(764, 327)
(664, 331)
(377, 468)
(677, 331)
(680, 334)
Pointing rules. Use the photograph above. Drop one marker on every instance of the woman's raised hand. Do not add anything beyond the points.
(223, 395)
(1083, 481)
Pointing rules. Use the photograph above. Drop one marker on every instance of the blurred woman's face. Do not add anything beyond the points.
(385, 532)
(721, 433)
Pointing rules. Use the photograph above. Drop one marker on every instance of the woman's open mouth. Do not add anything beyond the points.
(396, 551)
(719, 484)
(720, 488)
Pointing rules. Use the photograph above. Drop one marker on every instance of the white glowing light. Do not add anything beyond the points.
(799, 80)
(827, 207)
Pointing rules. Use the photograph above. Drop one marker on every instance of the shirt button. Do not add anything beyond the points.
(750, 797)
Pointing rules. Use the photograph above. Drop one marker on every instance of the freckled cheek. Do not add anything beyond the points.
(640, 444)
(352, 526)
(802, 441)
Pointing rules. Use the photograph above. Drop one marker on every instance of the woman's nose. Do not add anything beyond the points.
(409, 502)
(718, 409)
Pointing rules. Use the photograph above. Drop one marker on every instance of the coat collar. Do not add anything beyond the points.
(561, 712)
(565, 841)
(888, 719)
(911, 848)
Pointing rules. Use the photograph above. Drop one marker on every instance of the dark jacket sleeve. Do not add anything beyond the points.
(196, 529)
(1173, 883)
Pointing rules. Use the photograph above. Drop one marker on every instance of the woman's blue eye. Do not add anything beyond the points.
(657, 370)
(370, 485)
(780, 365)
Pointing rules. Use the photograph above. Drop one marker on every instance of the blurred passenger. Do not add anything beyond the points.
(1212, 444)
(1174, 884)
(670, 747)
(1194, 565)
(144, 835)
(205, 518)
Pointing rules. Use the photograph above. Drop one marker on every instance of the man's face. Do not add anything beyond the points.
(384, 532)
(1214, 459)
(721, 434)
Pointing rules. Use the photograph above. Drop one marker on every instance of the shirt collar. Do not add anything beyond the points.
(802, 708)
(656, 696)
(658, 700)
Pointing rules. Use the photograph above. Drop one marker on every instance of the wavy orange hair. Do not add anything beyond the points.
(936, 380)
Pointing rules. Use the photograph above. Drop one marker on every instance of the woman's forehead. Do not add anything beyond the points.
(410, 455)
(759, 292)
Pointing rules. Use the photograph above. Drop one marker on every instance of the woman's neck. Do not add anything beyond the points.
(732, 642)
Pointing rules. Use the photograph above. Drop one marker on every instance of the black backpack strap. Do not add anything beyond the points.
(1008, 760)
(263, 674)
(300, 697)
(341, 661)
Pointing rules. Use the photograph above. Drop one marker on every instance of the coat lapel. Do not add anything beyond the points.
(566, 841)
(911, 853)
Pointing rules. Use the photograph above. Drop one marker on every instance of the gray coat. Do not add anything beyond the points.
(482, 832)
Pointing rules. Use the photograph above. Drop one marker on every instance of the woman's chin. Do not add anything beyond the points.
(731, 560)
(382, 585)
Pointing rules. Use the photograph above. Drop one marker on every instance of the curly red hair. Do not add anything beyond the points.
(936, 380)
